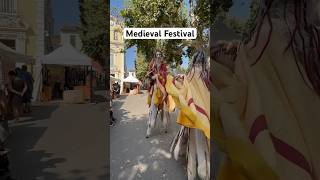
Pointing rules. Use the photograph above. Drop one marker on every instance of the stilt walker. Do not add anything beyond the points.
(192, 96)
(158, 99)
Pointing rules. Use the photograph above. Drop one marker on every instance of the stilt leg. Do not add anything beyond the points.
(203, 155)
(149, 126)
(165, 117)
(152, 118)
(192, 160)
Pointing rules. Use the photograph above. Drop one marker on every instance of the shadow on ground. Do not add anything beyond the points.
(41, 112)
(22, 156)
(60, 145)
(132, 155)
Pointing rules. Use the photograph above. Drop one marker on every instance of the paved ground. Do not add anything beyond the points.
(132, 155)
(60, 141)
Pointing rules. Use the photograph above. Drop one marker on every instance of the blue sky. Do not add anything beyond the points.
(65, 12)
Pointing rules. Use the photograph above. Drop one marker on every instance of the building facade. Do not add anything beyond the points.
(117, 47)
(23, 22)
(71, 35)
(27, 27)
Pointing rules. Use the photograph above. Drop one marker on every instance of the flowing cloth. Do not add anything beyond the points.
(242, 160)
(158, 97)
(162, 76)
(267, 115)
(192, 98)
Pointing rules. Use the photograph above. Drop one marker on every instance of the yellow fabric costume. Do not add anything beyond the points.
(267, 118)
(193, 99)
(243, 161)
(158, 100)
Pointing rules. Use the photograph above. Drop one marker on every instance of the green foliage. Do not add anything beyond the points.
(235, 24)
(218, 8)
(171, 13)
(251, 22)
(94, 24)
(244, 29)
(201, 11)
(141, 66)
(155, 13)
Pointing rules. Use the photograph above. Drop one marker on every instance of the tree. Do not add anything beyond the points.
(94, 25)
(141, 66)
(244, 29)
(200, 18)
(219, 8)
(156, 13)
(235, 24)
(251, 22)
(204, 14)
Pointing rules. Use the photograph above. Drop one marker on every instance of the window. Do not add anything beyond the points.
(115, 35)
(73, 40)
(8, 6)
(111, 60)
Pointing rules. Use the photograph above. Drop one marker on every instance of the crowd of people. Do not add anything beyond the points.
(17, 94)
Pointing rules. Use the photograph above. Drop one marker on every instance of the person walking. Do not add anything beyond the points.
(16, 88)
(111, 117)
(26, 99)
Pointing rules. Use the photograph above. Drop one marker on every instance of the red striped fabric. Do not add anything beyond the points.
(292, 154)
(285, 150)
(190, 101)
(259, 125)
(198, 108)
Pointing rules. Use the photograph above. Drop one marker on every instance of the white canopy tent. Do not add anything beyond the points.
(131, 79)
(9, 59)
(66, 55)
(9, 55)
(131, 82)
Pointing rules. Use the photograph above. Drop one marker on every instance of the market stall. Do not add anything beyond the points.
(131, 85)
(68, 74)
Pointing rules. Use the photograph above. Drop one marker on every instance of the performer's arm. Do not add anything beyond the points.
(10, 88)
